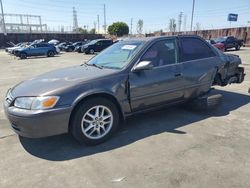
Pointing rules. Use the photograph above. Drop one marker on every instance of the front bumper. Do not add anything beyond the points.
(37, 124)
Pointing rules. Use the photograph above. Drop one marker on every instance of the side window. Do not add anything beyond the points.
(230, 39)
(193, 48)
(162, 53)
(99, 43)
(106, 42)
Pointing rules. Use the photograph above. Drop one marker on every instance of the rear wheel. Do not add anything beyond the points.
(50, 54)
(94, 121)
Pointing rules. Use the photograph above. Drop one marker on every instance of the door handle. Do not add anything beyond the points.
(178, 74)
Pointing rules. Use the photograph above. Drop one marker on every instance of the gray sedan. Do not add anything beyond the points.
(130, 77)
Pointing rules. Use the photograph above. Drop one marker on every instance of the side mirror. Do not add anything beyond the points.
(143, 65)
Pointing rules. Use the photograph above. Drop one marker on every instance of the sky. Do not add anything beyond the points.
(210, 14)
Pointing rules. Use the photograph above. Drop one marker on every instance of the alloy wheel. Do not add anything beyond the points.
(97, 122)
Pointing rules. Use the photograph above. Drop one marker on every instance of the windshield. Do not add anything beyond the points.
(92, 42)
(222, 39)
(76, 43)
(117, 56)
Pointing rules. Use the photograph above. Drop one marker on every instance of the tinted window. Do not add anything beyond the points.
(42, 45)
(99, 43)
(230, 39)
(161, 53)
(106, 42)
(193, 49)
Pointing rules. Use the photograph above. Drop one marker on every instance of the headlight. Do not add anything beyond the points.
(36, 103)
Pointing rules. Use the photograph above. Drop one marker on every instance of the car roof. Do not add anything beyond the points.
(148, 39)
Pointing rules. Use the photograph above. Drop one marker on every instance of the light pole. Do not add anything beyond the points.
(4, 27)
(192, 18)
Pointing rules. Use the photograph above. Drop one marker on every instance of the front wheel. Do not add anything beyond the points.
(94, 121)
(23, 55)
(237, 47)
(91, 51)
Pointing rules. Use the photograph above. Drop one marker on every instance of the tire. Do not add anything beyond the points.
(91, 51)
(237, 47)
(85, 128)
(23, 56)
(51, 54)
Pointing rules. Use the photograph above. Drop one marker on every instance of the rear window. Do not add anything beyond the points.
(193, 48)
(42, 45)
(106, 42)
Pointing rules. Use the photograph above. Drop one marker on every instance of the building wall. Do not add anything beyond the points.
(29, 37)
(241, 33)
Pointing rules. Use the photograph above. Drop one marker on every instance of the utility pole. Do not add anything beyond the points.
(4, 27)
(104, 14)
(75, 22)
(180, 21)
(98, 24)
(192, 18)
(185, 23)
(131, 26)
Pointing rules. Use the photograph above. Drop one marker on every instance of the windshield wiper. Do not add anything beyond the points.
(94, 65)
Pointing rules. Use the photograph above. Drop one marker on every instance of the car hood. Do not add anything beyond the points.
(57, 81)
(14, 48)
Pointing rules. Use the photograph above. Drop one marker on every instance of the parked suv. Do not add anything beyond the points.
(230, 42)
(96, 46)
(128, 78)
(38, 49)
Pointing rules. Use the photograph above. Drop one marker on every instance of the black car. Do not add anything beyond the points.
(62, 45)
(130, 77)
(96, 46)
(230, 42)
(71, 47)
(79, 48)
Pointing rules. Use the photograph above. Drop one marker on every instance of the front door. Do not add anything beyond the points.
(163, 83)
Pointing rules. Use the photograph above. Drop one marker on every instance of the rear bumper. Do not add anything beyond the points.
(37, 124)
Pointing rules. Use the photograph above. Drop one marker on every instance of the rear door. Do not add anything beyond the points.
(199, 63)
(162, 84)
(43, 49)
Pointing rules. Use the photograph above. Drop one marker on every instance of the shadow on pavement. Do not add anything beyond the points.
(38, 57)
(64, 147)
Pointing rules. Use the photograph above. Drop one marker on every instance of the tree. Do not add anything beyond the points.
(172, 25)
(139, 26)
(82, 31)
(92, 31)
(119, 29)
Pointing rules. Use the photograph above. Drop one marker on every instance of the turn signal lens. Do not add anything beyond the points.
(49, 102)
